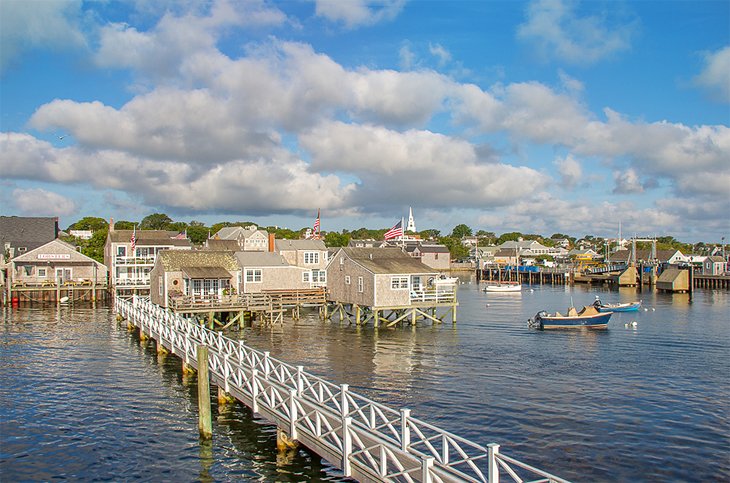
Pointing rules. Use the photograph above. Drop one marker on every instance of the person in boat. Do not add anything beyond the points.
(598, 302)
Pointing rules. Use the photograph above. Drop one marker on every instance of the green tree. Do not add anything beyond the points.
(156, 221)
(334, 239)
(430, 234)
(125, 225)
(198, 234)
(94, 247)
(460, 231)
(92, 223)
(511, 236)
(456, 249)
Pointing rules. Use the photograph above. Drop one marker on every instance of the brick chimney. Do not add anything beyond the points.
(272, 242)
(111, 224)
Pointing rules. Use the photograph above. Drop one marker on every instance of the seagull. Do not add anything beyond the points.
(61, 137)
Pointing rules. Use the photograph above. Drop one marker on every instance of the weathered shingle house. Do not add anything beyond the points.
(266, 271)
(249, 238)
(432, 255)
(57, 262)
(20, 234)
(307, 254)
(216, 244)
(376, 277)
(714, 265)
(195, 274)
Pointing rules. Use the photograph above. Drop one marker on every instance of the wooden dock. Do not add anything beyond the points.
(51, 293)
(367, 440)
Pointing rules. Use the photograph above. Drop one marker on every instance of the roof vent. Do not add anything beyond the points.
(371, 256)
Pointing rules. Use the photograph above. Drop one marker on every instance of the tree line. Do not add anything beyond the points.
(198, 233)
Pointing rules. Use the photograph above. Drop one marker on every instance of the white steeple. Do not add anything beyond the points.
(411, 223)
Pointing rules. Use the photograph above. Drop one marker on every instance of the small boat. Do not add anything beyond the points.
(588, 317)
(444, 280)
(504, 287)
(624, 307)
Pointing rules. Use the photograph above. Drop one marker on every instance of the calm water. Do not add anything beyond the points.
(81, 399)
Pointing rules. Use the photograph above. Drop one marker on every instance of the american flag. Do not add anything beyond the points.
(395, 232)
(315, 228)
(133, 241)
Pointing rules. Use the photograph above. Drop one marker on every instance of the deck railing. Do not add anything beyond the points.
(365, 439)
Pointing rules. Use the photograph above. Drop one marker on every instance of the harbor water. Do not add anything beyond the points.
(83, 399)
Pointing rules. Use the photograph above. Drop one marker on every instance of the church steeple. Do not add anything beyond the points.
(411, 223)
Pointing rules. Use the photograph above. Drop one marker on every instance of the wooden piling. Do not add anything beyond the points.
(205, 424)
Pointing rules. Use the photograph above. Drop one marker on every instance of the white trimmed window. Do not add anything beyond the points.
(253, 275)
(398, 283)
(306, 277)
(319, 276)
(311, 258)
(41, 272)
(360, 284)
(347, 280)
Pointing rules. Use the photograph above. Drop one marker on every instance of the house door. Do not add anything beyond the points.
(415, 283)
(64, 274)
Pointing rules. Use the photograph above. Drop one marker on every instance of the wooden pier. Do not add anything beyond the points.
(367, 440)
(51, 293)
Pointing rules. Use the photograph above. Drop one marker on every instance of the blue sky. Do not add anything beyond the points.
(542, 117)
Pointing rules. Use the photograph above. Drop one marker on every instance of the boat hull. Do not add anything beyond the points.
(503, 288)
(598, 321)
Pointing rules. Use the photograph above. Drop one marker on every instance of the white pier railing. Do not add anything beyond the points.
(365, 439)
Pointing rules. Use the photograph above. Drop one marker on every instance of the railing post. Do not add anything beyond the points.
(226, 373)
(426, 466)
(293, 415)
(254, 391)
(346, 423)
(405, 430)
(493, 465)
(346, 446)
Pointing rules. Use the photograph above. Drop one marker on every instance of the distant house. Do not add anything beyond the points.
(216, 244)
(249, 238)
(81, 234)
(529, 247)
(432, 255)
(56, 262)
(267, 271)
(21, 234)
(376, 277)
(311, 255)
(369, 243)
(505, 256)
(196, 274)
(667, 257)
(714, 265)
(129, 270)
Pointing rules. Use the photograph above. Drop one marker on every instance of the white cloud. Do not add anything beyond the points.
(627, 181)
(715, 76)
(28, 25)
(395, 167)
(39, 202)
(407, 57)
(355, 13)
(558, 31)
(570, 171)
(442, 55)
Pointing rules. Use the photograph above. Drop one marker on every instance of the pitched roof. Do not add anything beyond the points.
(54, 247)
(222, 245)
(149, 237)
(387, 260)
(260, 259)
(642, 254)
(285, 245)
(173, 260)
(206, 272)
(29, 232)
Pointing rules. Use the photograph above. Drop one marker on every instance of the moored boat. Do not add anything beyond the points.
(588, 317)
(624, 307)
(504, 287)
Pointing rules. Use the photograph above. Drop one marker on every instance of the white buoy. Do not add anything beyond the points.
(634, 323)
(64, 300)
(653, 309)
(645, 309)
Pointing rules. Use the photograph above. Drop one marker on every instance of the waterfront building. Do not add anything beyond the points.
(311, 255)
(714, 265)
(192, 275)
(20, 234)
(249, 238)
(130, 263)
(432, 255)
(269, 271)
(56, 262)
(376, 277)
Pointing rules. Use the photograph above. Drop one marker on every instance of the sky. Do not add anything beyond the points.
(545, 116)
